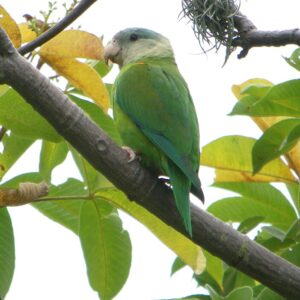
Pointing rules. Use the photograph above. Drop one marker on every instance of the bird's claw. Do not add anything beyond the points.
(131, 154)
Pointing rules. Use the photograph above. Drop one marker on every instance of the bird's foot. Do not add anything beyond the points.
(131, 154)
(165, 180)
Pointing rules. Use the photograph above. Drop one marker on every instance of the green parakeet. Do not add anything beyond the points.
(154, 112)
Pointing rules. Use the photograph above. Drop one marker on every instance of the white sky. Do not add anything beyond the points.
(49, 262)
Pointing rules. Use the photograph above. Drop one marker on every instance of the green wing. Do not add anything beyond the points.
(155, 97)
(159, 103)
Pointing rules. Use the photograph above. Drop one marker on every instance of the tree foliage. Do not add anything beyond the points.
(89, 207)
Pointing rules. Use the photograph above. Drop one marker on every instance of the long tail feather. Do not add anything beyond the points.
(181, 189)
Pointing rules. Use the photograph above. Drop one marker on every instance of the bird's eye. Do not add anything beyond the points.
(133, 37)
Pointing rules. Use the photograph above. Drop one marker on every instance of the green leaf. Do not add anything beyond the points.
(265, 195)
(106, 247)
(292, 255)
(276, 239)
(51, 155)
(293, 189)
(213, 294)
(234, 279)
(238, 209)
(189, 252)
(101, 68)
(231, 157)
(244, 293)
(215, 267)
(249, 224)
(259, 200)
(3, 89)
(294, 231)
(205, 278)
(65, 212)
(261, 192)
(14, 147)
(257, 290)
(265, 239)
(248, 94)
(294, 59)
(22, 119)
(7, 252)
(177, 265)
(282, 99)
(268, 294)
(275, 141)
(275, 232)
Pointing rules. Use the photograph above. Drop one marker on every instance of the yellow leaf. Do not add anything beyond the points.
(189, 252)
(74, 43)
(82, 76)
(244, 176)
(10, 26)
(27, 33)
(231, 157)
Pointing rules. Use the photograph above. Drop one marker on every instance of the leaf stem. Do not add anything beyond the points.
(60, 198)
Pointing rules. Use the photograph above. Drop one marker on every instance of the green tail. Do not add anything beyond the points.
(181, 190)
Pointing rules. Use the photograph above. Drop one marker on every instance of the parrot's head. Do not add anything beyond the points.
(136, 44)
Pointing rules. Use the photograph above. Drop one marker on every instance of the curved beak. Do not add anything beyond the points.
(112, 51)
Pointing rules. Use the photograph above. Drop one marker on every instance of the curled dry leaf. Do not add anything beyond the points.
(25, 193)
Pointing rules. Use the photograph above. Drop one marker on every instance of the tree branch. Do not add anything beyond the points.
(220, 22)
(139, 185)
(60, 26)
(249, 36)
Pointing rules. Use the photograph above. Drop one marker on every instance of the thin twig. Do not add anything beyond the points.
(60, 26)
